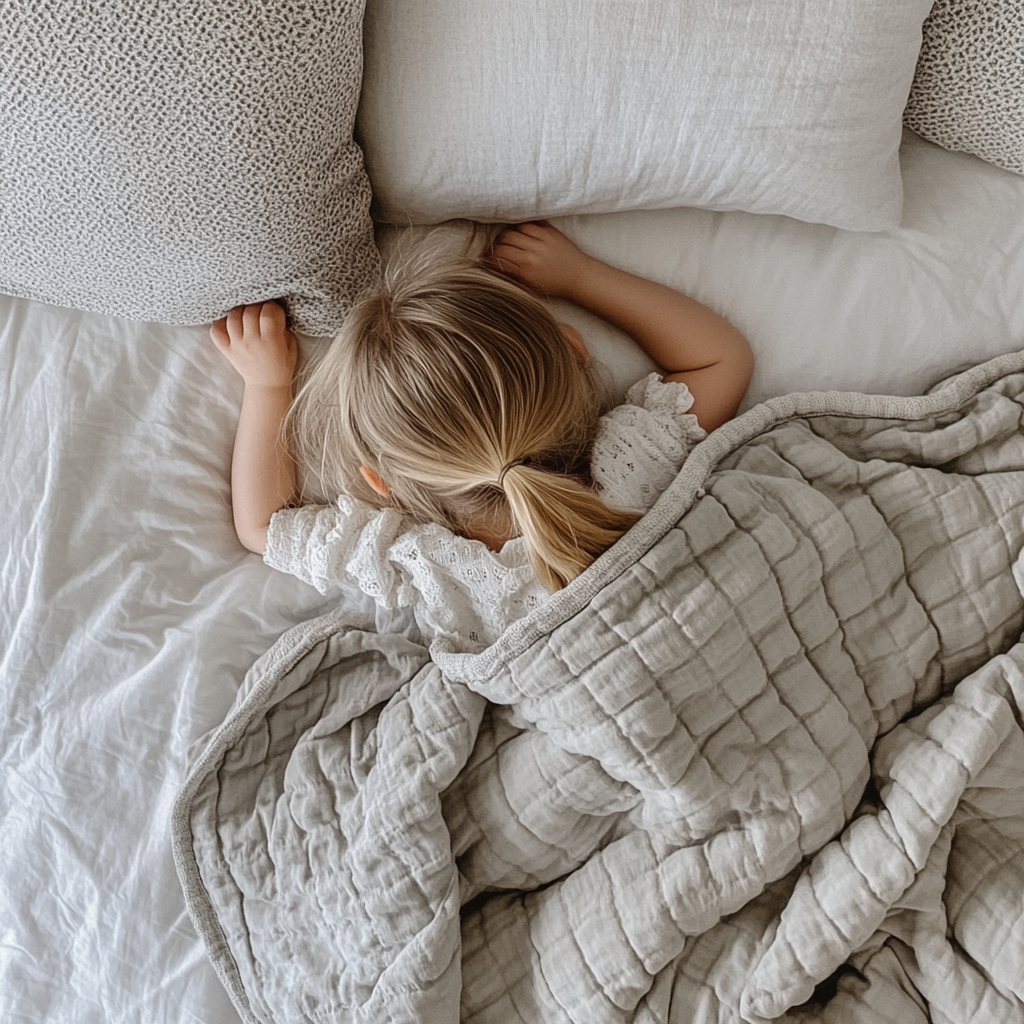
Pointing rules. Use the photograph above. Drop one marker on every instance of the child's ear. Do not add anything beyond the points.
(576, 343)
(375, 482)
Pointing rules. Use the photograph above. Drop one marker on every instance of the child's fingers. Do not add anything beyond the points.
(255, 320)
(219, 333)
(234, 324)
(272, 318)
(251, 320)
(507, 259)
(538, 229)
(507, 250)
(512, 237)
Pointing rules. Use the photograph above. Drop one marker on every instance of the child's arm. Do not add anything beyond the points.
(258, 344)
(687, 340)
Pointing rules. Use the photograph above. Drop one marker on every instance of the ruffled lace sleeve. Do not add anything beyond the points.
(641, 444)
(344, 543)
(455, 587)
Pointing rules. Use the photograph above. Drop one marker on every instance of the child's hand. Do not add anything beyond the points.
(542, 258)
(256, 341)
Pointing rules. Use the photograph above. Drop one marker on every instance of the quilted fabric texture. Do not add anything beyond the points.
(169, 160)
(968, 91)
(651, 798)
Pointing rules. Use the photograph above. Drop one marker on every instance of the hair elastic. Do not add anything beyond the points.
(508, 466)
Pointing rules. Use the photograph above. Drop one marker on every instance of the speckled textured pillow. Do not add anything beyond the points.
(167, 160)
(968, 91)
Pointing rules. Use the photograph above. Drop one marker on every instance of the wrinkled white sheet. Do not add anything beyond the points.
(129, 614)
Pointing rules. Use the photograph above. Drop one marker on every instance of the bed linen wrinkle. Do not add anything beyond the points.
(123, 626)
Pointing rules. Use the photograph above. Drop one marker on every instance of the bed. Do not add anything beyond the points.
(131, 616)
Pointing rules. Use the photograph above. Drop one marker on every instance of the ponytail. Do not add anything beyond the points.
(564, 525)
(460, 390)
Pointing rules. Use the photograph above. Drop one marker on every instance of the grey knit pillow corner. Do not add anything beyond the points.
(968, 91)
(171, 159)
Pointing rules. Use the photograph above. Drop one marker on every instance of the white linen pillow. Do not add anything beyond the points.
(169, 159)
(506, 110)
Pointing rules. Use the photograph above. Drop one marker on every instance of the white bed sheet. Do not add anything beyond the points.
(129, 614)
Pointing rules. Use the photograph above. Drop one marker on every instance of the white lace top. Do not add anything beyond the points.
(458, 588)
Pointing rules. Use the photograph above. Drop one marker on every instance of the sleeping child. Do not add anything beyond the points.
(461, 428)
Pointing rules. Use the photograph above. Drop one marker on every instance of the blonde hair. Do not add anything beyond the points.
(458, 389)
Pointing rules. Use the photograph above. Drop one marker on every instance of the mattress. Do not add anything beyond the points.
(129, 613)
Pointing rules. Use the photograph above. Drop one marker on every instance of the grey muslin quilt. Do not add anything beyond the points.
(767, 754)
